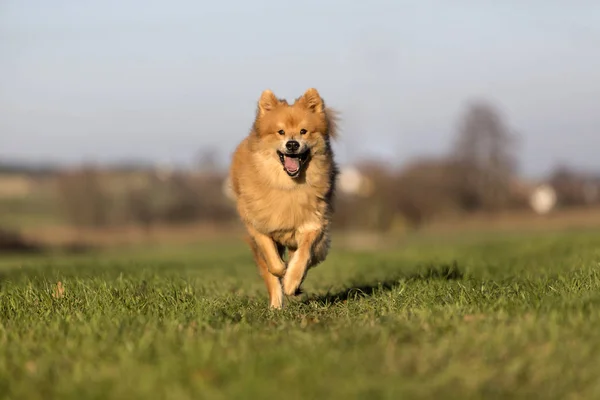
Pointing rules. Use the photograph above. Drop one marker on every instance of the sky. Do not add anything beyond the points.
(112, 80)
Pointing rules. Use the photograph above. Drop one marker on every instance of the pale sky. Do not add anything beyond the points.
(158, 80)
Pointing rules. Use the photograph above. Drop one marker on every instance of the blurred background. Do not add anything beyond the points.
(118, 118)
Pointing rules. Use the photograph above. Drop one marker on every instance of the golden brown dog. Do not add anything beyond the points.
(283, 176)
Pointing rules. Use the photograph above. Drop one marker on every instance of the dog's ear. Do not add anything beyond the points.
(267, 102)
(312, 100)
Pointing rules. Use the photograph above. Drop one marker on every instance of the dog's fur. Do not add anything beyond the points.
(284, 197)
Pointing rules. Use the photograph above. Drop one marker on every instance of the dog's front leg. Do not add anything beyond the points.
(272, 282)
(270, 252)
(312, 247)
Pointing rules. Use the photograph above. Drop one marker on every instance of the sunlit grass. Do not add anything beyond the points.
(512, 316)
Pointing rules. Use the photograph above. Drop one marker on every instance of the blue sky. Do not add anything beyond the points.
(110, 80)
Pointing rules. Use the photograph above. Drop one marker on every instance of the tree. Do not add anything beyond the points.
(207, 160)
(485, 153)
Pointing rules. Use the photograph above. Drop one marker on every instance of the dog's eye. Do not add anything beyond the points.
(302, 131)
(281, 132)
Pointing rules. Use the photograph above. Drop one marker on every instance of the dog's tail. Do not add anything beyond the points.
(333, 117)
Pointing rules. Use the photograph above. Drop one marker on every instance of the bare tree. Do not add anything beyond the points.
(84, 197)
(485, 154)
(207, 160)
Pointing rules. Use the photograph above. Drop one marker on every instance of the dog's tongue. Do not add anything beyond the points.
(291, 164)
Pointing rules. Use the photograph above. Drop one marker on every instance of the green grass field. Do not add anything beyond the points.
(489, 317)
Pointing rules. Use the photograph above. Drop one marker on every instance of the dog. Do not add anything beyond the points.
(283, 178)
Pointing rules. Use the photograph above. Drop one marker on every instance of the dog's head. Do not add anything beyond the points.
(296, 132)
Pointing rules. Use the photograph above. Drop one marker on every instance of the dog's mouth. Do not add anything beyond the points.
(293, 163)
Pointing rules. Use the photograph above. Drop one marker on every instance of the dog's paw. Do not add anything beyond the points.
(291, 288)
(278, 270)
(276, 303)
(277, 306)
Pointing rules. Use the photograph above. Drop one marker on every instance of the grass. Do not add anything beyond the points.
(491, 317)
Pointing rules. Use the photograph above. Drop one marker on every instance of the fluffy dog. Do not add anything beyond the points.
(283, 176)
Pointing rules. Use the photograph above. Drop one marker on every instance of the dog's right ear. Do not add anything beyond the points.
(267, 102)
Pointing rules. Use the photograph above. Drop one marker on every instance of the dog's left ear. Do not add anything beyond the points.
(312, 100)
(267, 102)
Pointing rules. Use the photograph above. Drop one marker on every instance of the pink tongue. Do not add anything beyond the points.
(291, 164)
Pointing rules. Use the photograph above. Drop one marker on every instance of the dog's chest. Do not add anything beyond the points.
(285, 210)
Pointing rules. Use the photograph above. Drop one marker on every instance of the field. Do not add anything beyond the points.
(483, 316)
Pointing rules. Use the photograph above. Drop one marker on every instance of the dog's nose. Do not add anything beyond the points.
(292, 145)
